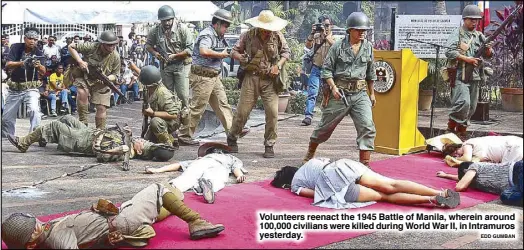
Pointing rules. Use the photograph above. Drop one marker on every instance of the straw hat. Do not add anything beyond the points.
(268, 21)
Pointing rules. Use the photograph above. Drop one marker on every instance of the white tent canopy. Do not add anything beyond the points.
(92, 12)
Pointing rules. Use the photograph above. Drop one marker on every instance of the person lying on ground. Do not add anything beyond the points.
(350, 184)
(107, 145)
(209, 173)
(496, 149)
(504, 179)
(107, 226)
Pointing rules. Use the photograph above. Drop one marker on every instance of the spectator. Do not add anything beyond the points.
(122, 48)
(55, 87)
(130, 81)
(51, 49)
(5, 49)
(76, 39)
(52, 65)
(87, 38)
(64, 52)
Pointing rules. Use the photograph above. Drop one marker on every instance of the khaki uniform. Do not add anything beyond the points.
(257, 82)
(464, 96)
(350, 73)
(71, 135)
(162, 99)
(206, 86)
(175, 74)
(109, 64)
(90, 229)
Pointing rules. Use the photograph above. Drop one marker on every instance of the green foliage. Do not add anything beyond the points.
(296, 47)
(368, 7)
(233, 96)
(297, 103)
(230, 83)
(318, 8)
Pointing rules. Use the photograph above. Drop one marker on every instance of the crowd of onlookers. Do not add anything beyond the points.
(57, 99)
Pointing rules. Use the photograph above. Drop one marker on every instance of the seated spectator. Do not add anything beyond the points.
(207, 174)
(125, 79)
(350, 184)
(56, 88)
(51, 49)
(497, 178)
(52, 64)
(495, 149)
(64, 52)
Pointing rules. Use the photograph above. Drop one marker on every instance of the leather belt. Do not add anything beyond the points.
(351, 85)
(204, 71)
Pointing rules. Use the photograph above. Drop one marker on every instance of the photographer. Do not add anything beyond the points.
(24, 83)
(319, 42)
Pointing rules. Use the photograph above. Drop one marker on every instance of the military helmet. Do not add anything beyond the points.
(213, 147)
(472, 11)
(163, 152)
(165, 12)
(149, 75)
(17, 230)
(358, 20)
(108, 37)
(223, 15)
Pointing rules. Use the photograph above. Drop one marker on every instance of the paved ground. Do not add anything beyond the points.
(80, 190)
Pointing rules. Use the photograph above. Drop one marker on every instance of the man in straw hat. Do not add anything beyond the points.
(209, 173)
(262, 52)
(104, 55)
(107, 226)
(348, 70)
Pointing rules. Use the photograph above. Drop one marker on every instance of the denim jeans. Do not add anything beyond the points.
(513, 194)
(124, 89)
(14, 99)
(312, 91)
(52, 98)
(72, 92)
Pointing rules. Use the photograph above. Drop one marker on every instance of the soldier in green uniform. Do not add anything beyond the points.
(107, 145)
(175, 39)
(464, 43)
(164, 108)
(107, 226)
(262, 52)
(101, 54)
(348, 69)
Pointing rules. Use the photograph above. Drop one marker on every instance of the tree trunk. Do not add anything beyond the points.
(298, 19)
(440, 7)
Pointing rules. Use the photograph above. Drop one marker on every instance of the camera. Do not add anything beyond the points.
(319, 27)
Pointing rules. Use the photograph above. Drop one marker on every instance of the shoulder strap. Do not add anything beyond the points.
(317, 48)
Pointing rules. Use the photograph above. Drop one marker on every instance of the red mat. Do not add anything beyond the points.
(236, 207)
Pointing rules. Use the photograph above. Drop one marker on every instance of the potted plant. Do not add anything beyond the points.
(425, 95)
(508, 60)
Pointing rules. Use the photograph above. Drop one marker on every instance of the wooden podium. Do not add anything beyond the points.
(396, 112)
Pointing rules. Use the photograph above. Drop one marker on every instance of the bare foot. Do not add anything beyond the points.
(150, 170)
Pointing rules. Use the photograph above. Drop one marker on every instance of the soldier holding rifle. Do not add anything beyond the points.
(464, 69)
(102, 57)
(172, 43)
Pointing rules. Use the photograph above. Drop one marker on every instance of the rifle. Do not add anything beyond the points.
(468, 71)
(96, 72)
(30, 60)
(164, 56)
(220, 49)
(127, 142)
(145, 105)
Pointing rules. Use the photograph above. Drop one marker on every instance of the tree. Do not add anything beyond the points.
(439, 8)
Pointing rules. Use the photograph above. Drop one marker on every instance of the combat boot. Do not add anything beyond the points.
(462, 133)
(451, 127)
(310, 151)
(83, 111)
(365, 155)
(233, 145)
(100, 123)
(23, 143)
(200, 229)
(268, 152)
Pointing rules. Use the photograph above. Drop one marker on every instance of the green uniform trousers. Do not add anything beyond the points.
(359, 108)
(464, 98)
(176, 79)
(253, 87)
(70, 134)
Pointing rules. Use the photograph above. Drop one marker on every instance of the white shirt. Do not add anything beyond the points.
(52, 51)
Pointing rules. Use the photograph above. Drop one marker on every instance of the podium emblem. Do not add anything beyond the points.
(385, 76)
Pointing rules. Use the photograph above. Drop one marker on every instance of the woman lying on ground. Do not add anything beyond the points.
(208, 174)
(496, 149)
(497, 178)
(349, 184)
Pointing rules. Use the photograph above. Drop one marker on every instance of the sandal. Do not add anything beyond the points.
(450, 193)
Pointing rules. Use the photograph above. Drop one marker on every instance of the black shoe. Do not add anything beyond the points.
(42, 143)
(306, 122)
(207, 190)
(269, 153)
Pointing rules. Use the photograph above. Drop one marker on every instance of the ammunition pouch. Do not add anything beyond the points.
(449, 74)
(204, 71)
(350, 85)
(21, 86)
